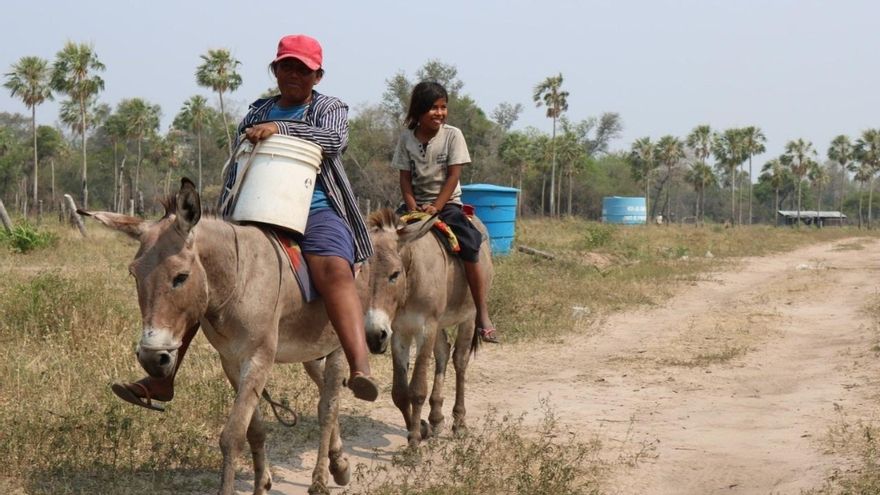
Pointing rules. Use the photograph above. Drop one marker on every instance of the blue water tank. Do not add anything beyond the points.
(623, 210)
(496, 207)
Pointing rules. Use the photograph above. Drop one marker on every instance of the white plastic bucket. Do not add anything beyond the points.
(276, 180)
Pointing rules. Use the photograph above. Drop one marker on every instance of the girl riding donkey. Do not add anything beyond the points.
(429, 155)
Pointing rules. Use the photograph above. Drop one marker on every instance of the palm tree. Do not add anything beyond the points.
(818, 176)
(73, 74)
(753, 144)
(116, 129)
(550, 93)
(700, 142)
(669, 153)
(728, 150)
(29, 80)
(775, 171)
(643, 161)
(700, 176)
(863, 174)
(218, 73)
(867, 150)
(142, 121)
(801, 156)
(570, 152)
(841, 151)
(192, 117)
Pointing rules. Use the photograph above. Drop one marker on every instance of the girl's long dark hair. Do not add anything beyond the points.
(423, 97)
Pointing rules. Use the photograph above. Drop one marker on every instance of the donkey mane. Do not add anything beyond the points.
(384, 219)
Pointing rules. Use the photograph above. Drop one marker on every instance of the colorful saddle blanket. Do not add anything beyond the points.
(440, 229)
(297, 263)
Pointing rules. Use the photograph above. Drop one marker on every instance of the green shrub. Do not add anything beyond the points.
(597, 235)
(24, 238)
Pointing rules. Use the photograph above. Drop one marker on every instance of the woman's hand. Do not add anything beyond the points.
(260, 132)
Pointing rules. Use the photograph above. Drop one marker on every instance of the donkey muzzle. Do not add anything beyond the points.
(378, 331)
(157, 354)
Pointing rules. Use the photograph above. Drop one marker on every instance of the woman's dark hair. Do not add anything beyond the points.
(423, 97)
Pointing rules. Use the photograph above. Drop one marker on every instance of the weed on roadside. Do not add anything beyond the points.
(501, 456)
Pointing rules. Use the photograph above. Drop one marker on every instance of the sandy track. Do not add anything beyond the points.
(728, 387)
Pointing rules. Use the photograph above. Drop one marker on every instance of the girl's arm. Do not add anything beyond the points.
(453, 174)
(409, 197)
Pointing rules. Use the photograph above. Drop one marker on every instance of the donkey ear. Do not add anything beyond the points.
(413, 231)
(189, 206)
(131, 226)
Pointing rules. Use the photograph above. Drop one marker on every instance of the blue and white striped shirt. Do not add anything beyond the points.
(326, 123)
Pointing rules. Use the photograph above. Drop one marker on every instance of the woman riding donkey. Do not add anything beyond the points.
(335, 237)
(429, 155)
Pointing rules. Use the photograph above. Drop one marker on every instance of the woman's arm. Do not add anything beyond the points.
(330, 131)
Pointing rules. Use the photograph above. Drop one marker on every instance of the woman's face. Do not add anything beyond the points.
(295, 81)
(435, 116)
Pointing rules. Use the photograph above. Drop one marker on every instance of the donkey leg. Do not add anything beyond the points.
(315, 370)
(339, 466)
(460, 359)
(256, 437)
(328, 415)
(400, 386)
(441, 360)
(418, 387)
(248, 380)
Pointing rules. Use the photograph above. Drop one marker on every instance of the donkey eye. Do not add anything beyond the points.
(179, 280)
(393, 277)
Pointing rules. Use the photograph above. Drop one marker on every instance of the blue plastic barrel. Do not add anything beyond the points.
(496, 207)
(624, 210)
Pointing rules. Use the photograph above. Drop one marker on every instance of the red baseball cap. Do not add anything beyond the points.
(302, 47)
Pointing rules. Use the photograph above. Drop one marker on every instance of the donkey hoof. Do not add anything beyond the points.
(318, 488)
(459, 430)
(341, 472)
(437, 427)
(425, 429)
(264, 485)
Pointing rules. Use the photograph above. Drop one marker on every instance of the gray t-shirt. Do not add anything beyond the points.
(428, 163)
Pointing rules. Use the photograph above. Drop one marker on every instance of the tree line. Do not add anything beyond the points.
(704, 176)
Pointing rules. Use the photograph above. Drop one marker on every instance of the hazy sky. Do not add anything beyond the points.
(794, 68)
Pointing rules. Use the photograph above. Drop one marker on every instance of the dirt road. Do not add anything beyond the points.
(729, 387)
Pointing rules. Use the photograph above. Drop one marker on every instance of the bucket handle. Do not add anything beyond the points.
(239, 173)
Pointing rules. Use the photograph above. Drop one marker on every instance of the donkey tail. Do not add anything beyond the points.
(476, 342)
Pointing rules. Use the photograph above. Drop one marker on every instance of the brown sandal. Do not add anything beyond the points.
(128, 393)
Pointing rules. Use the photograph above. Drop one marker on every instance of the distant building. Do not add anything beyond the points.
(811, 217)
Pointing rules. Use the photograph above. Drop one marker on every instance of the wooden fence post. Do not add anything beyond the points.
(74, 216)
(4, 217)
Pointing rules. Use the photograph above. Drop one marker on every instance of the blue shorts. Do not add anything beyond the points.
(327, 234)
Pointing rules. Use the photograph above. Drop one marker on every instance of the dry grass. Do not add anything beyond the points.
(502, 456)
(857, 441)
(69, 321)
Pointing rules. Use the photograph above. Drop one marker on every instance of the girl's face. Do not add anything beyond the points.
(435, 116)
